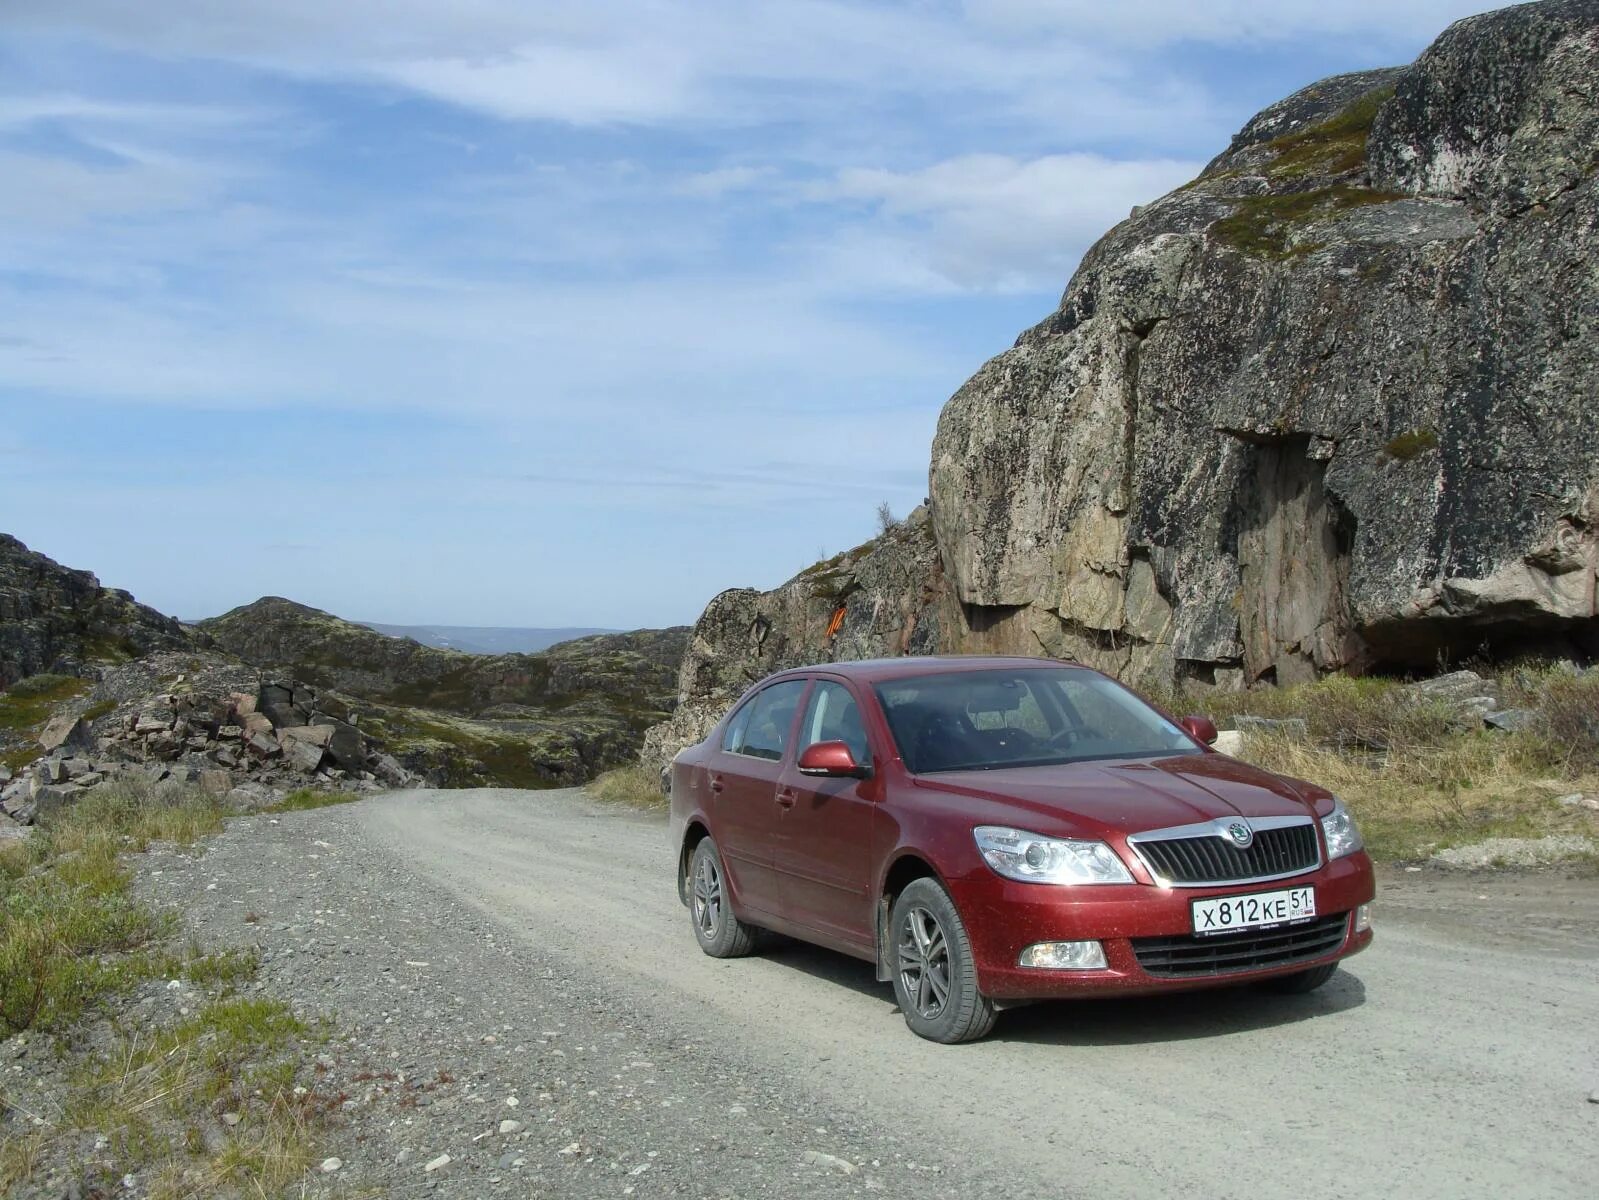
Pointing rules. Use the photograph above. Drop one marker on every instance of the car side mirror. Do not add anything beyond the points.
(832, 759)
(1200, 728)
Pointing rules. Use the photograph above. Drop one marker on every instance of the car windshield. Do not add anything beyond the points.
(1022, 717)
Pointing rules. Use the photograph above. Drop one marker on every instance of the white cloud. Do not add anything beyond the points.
(993, 221)
(727, 62)
(1223, 22)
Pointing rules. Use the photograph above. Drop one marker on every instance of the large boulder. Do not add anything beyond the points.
(1329, 407)
(1332, 406)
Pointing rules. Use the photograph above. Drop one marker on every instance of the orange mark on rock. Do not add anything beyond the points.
(835, 624)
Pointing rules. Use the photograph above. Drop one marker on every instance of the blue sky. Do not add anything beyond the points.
(511, 313)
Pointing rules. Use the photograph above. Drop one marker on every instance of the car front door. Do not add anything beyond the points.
(824, 843)
(743, 775)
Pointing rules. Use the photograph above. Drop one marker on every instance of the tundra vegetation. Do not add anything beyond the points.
(1419, 773)
(212, 1100)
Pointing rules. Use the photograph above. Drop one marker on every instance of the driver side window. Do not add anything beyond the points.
(833, 716)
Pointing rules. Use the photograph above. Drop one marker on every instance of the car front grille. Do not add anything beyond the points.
(1273, 854)
(1249, 950)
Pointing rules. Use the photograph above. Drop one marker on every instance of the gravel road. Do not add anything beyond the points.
(521, 957)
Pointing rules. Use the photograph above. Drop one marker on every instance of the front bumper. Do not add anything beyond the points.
(1003, 917)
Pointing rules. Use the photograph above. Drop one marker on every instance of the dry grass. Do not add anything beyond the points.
(1418, 774)
(635, 786)
(1418, 799)
(302, 799)
(71, 937)
(152, 1092)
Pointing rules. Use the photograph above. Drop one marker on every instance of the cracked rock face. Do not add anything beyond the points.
(1334, 405)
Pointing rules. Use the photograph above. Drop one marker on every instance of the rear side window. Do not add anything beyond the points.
(761, 727)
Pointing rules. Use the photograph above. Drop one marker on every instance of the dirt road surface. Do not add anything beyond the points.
(530, 946)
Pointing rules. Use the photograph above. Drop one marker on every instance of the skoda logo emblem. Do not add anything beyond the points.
(1241, 834)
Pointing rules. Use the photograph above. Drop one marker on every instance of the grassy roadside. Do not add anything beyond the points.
(1418, 775)
(634, 786)
(204, 1103)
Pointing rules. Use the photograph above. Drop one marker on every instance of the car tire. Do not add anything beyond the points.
(716, 928)
(934, 972)
(1301, 982)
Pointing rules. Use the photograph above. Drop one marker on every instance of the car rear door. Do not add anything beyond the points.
(824, 845)
(743, 774)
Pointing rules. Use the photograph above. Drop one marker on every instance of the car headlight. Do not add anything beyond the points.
(1017, 854)
(1342, 835)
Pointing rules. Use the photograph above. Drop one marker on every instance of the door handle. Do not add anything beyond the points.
(716, 784)
(786, 797)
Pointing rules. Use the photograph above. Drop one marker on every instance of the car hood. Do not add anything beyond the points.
(1120, 797)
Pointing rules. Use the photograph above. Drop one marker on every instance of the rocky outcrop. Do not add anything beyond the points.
(196, 718)
(885, 598)
(53, 619)
(1333, 406)
(530, 720)
(1330, 407)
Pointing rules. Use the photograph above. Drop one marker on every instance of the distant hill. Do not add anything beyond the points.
(483, 639)
(557, 716)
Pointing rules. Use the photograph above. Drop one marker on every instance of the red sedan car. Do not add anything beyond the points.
(990, 831)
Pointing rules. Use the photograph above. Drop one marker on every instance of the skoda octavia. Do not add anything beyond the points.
(990, 831)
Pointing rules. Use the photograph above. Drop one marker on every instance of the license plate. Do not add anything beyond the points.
(1258, 910)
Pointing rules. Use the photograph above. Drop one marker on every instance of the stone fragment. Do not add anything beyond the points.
(262, 746)
(51, 770)
(316, 735)
(152, 721)
(510, 1126)
(64, 732)
(54, 797)
(438, 1164)
(331, 1164)
(347, 747)
(1512, 720)
(216, 783)
(230, 733)
(302, 756)
(1229, 741)
(276, 702)
(253, 723)
(1289, 727)
(832, 1162)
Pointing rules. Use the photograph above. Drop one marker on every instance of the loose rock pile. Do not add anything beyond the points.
(248, 747)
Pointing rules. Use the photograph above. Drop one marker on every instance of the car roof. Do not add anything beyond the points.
(875, 670)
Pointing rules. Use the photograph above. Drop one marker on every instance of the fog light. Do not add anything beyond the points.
(1064, 956)
(1363, 918)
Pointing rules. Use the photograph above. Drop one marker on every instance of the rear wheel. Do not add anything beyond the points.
(935, 974)
(719, 933)
(1301, 982)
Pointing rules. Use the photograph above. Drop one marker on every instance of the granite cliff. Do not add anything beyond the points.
(55, 619)
(1332, 406)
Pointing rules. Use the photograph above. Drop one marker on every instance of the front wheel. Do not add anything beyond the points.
(719, 933)
(1300, 982)
(935, 974)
